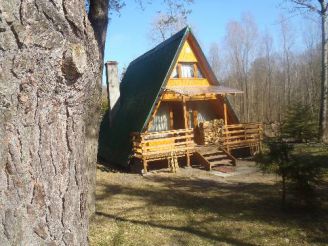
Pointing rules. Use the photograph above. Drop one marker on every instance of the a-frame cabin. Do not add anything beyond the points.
(166, 95)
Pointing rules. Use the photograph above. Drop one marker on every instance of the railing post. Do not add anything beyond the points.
(145, 165)
(186, 127)
(225, 111)
(245, 134)
(260, 136)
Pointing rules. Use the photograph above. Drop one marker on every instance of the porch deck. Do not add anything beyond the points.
(153, 146)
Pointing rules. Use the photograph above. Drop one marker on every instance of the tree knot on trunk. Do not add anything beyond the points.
(41, 230)
(74, 63)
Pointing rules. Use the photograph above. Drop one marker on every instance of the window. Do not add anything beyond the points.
(161, 121)
(187, 70)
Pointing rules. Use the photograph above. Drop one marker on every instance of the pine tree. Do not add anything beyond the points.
(300, 123)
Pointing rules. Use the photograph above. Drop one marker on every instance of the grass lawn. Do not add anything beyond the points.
(195, 207)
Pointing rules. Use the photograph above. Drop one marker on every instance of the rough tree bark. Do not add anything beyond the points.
(49, 100)
(323, 127)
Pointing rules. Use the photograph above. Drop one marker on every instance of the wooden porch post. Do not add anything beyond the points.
(186, 126)
(171, 118)
(185, 112)
(145, 165)
(225, 111)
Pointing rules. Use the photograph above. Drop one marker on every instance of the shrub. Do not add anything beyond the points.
(300, 123)
(299, 172)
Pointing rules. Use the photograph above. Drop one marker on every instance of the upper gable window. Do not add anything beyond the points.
(187, 70)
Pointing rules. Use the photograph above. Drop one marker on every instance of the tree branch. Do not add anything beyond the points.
(323, 4)
(305, 4)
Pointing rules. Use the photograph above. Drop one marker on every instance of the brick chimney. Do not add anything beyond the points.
(113, 86)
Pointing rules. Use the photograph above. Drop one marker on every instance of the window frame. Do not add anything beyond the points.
(196, 71)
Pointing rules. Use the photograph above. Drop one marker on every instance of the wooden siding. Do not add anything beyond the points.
(187, 82)
(171, 96)
(188, 55)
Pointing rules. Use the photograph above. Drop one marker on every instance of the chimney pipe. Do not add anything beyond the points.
(113, 90)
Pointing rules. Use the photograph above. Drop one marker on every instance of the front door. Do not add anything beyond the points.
(176, 115)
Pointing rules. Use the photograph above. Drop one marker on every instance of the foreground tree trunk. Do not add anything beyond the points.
(323, 127)
(49, 98)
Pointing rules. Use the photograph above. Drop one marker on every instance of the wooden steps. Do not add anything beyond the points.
(214, 156)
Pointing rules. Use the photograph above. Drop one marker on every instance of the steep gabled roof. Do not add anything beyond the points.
(144, 81)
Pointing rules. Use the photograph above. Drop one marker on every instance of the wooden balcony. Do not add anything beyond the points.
(160, 145)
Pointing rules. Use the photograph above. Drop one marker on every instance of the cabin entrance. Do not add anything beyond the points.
(171, 115)
(176, 115)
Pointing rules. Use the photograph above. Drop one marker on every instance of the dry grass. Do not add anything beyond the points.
(198, 208)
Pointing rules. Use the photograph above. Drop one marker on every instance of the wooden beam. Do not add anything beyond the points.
(188, 82)
(185, 118)
(202, 161)
(171, 118)
(184, 104)
(195, 71)
(195, 114)
(145, 165)
(225, 111)
(179, 70)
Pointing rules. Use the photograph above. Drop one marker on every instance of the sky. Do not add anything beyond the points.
(128, 31)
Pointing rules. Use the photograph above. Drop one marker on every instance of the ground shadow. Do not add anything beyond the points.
(188, 229)
(239, 201)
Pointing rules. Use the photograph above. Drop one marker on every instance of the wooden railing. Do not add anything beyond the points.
(242, 135)
(161, 145)
(157, 145)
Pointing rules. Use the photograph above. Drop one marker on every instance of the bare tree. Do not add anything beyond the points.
(164, 26)
(170, 20)
(261, 76)
(320, 7)
(240, 39)
(268, 50)
(214, 59)
(310, 69)
(270, 79)
(287, 39)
